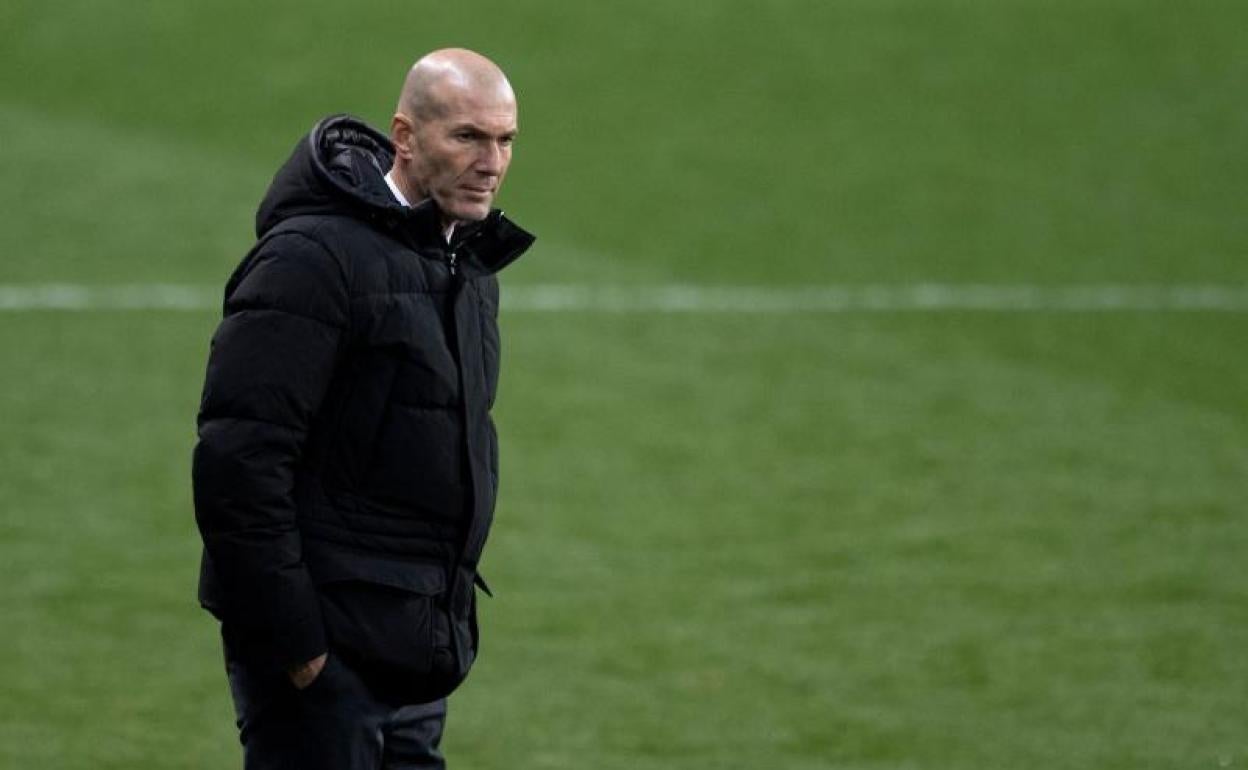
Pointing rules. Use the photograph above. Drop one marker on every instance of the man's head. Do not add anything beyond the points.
(452, 133)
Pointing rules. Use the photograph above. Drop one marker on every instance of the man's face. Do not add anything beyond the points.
(461, 154)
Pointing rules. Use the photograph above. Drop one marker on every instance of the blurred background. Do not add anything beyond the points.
(873, 537)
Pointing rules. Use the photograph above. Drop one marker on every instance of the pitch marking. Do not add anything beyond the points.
(677, 298)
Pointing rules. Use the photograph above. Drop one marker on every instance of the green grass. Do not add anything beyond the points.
(936, 559)
(938, 541)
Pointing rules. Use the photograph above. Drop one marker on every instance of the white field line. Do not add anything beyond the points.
(923, 297)
(80, 297)
(676, 298)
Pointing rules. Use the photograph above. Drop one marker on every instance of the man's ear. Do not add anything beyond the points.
(401, 131)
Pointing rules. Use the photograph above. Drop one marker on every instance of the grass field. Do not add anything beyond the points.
(887, 540)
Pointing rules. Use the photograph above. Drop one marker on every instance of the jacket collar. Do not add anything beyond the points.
(493, 243)
(481, 247)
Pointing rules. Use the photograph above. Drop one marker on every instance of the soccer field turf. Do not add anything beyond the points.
(868, 539)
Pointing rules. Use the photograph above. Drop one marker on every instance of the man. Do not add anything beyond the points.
(346, 468)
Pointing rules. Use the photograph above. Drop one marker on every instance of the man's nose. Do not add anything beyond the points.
(491, 159)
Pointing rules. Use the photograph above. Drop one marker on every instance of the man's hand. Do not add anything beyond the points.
(306, 673)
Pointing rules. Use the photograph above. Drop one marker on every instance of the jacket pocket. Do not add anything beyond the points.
(384, 614)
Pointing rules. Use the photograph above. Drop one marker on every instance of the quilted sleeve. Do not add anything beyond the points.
(271, 361)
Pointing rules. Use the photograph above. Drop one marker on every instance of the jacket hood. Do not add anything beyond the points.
(340, 168)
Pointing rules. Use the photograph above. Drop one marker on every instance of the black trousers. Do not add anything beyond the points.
(341, 721)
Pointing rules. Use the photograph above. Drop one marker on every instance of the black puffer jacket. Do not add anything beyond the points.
(347, 465)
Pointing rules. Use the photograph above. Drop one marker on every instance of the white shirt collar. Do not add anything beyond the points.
(394, 188)
(402, 199)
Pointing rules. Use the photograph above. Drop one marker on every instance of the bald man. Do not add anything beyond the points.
(347, 465)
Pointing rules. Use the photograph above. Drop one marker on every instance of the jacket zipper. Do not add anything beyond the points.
(451, 259)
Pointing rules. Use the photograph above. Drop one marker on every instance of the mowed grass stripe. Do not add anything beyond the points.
(553, 298)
